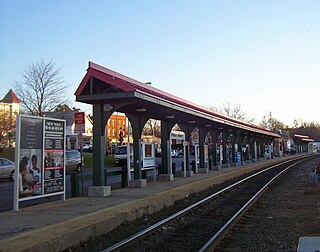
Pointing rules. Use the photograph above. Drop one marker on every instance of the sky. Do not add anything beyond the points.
(263, 55)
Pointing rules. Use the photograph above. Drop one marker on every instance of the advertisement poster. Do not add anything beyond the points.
(40, 152)
(53, 156)
(148, 155)
(30, 158)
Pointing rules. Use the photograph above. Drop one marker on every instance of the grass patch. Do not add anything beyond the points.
(88, 160)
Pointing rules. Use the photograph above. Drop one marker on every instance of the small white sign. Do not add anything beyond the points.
(148, 155)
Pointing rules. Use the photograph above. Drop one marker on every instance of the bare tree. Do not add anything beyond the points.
(272, 123)
(152, 127)
(65, 107)
(41, 88)
(233, 110)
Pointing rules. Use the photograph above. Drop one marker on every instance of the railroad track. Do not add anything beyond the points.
(198, 227)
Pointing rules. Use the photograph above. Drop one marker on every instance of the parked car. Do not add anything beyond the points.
(7, 168)
(175, 153)
(87, 147)
(73, 161)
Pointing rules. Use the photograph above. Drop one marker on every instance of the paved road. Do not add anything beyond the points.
(6, 188)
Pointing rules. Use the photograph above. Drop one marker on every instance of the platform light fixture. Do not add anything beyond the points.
(170, 116)
(107, 107)
(192, 121)
(141, 109)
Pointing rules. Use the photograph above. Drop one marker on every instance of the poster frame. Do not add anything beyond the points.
(148, 156)
(42, 138)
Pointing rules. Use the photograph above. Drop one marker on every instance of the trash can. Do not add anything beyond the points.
(74, 180)
(193, 165)
(174, 169)
(124, 176)
(159, 169)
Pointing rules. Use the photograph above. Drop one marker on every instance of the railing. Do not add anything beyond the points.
(75, 178)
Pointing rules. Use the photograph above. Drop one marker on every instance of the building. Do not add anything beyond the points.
(117, 128)
(283, 145)
(9, 109)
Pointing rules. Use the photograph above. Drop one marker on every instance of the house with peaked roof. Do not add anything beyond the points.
(9, 109)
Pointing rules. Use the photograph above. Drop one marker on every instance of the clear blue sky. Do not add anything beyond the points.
(263, 55)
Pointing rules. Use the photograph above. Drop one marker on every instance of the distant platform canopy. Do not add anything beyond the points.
(117, 92)
(302, 138)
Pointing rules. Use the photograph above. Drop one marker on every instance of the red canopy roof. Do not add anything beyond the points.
(125, 83)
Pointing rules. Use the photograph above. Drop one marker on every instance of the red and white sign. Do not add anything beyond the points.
(79, 120)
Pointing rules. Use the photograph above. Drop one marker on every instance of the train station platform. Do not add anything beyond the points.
(60, 224)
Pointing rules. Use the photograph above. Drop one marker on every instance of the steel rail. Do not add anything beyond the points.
(234, 217)
(138, 235)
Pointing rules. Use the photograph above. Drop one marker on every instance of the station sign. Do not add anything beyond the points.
(79, 121)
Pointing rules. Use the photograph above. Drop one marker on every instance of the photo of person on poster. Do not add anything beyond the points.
(26, 179)
(36, 173)
(148, 150)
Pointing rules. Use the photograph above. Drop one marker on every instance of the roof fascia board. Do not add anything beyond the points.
(156, 100)
(103, 97)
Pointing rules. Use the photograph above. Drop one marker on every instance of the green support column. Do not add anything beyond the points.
(265, 142)
(165, 136)
(214, 135)
(187, 131)
(259, 148)
(251, 146)
(137, 174)
(240, 143)
(225, 136)
(202, 136)
(233, 142)
(99, 118)
(137, 124)
(188, 156)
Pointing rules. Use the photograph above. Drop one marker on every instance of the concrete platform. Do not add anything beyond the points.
(58, 225)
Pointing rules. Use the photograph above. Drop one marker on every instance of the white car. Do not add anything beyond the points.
(7, 168)
(87, 147)
(174, 153)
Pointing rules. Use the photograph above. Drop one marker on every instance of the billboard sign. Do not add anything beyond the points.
(79, 121)
(39, 158)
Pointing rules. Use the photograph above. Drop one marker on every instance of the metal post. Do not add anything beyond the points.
(185, 159)
(128, 163)
(196, 156)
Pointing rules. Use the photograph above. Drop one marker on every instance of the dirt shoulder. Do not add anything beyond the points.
(289, 210)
